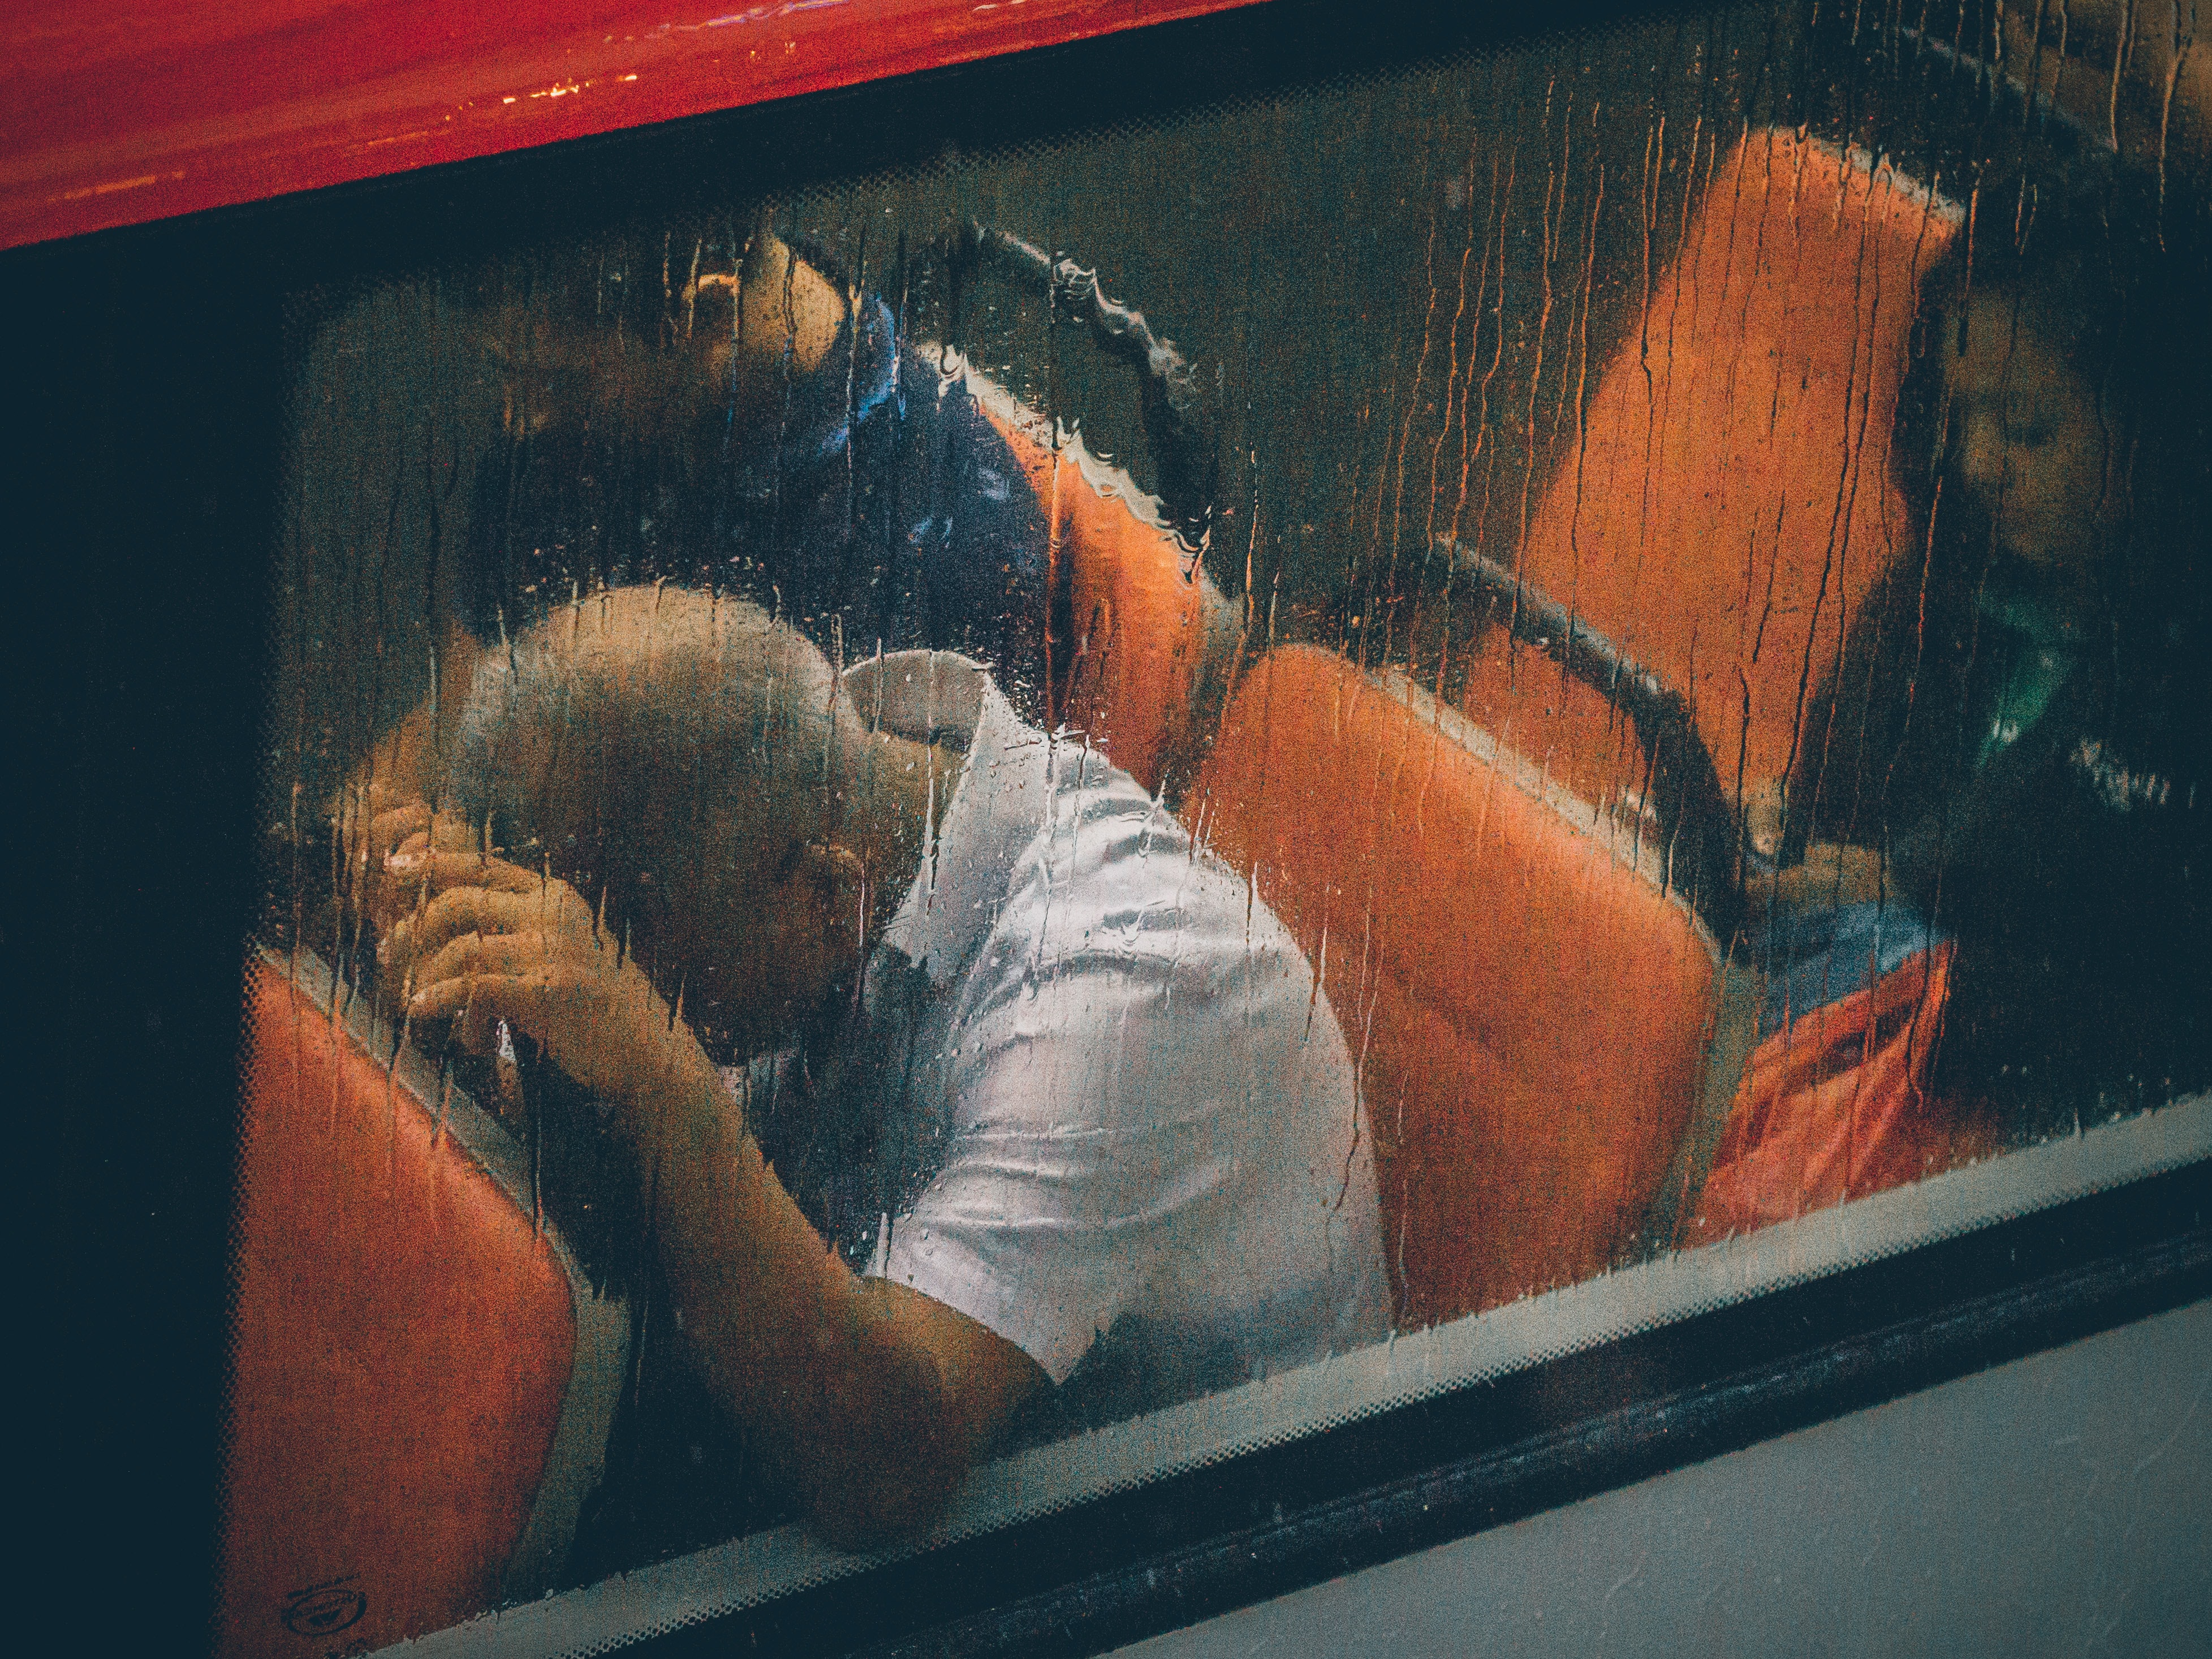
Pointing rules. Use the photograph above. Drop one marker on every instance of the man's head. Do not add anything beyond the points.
(698, 770)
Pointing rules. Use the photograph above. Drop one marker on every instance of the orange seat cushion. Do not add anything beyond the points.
(1526, 1011)
(1134, 610)
(402, 1345)
(1732, 501)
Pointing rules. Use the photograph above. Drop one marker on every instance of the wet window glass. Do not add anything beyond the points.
(943, 843)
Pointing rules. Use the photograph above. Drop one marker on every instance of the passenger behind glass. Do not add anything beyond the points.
(764, 428)
(1057, 1106)
(2011, 748)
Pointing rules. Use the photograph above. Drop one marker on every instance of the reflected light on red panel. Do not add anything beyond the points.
(121, 114)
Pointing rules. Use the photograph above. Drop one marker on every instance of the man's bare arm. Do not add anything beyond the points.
(878, 1398)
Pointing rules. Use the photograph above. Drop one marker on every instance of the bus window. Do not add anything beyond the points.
(950, 841)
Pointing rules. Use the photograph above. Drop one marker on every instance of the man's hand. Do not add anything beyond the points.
(875, 1398)
(376, 828)
(381, 803)
(488, 941)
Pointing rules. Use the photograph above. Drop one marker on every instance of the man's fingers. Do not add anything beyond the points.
(529, 1003)
(475, 954)
(549, 911)
(440, 870)
(460, 911)
(388, 829)
(383, 833)
(414, 829)
(370, 828)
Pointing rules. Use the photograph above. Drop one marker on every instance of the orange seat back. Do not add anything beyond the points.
(1134, 609)
(1732, 501)
(402, 1341)
(1526, 1010)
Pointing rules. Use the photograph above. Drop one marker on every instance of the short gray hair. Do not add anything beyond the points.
(632, 709)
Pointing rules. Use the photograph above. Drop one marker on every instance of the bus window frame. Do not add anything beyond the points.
(166, 511)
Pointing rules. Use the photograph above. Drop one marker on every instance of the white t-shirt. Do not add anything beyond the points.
(1122, 1101)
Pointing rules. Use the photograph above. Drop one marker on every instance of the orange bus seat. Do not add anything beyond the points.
(1135, 599)
(1527, 1010)
(403, 1343)
(1728, 513)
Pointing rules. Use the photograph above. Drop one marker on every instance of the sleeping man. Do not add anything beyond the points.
(1069, 1086)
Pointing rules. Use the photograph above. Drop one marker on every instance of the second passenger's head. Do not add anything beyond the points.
(2028, 434)
(2051, 387)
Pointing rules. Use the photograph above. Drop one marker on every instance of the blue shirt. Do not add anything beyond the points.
(873, 505)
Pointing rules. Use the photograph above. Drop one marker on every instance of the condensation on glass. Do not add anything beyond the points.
(942, 845)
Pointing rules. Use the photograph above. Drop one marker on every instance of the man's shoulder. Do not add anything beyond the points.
(1101, 815)
(1113, 874)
